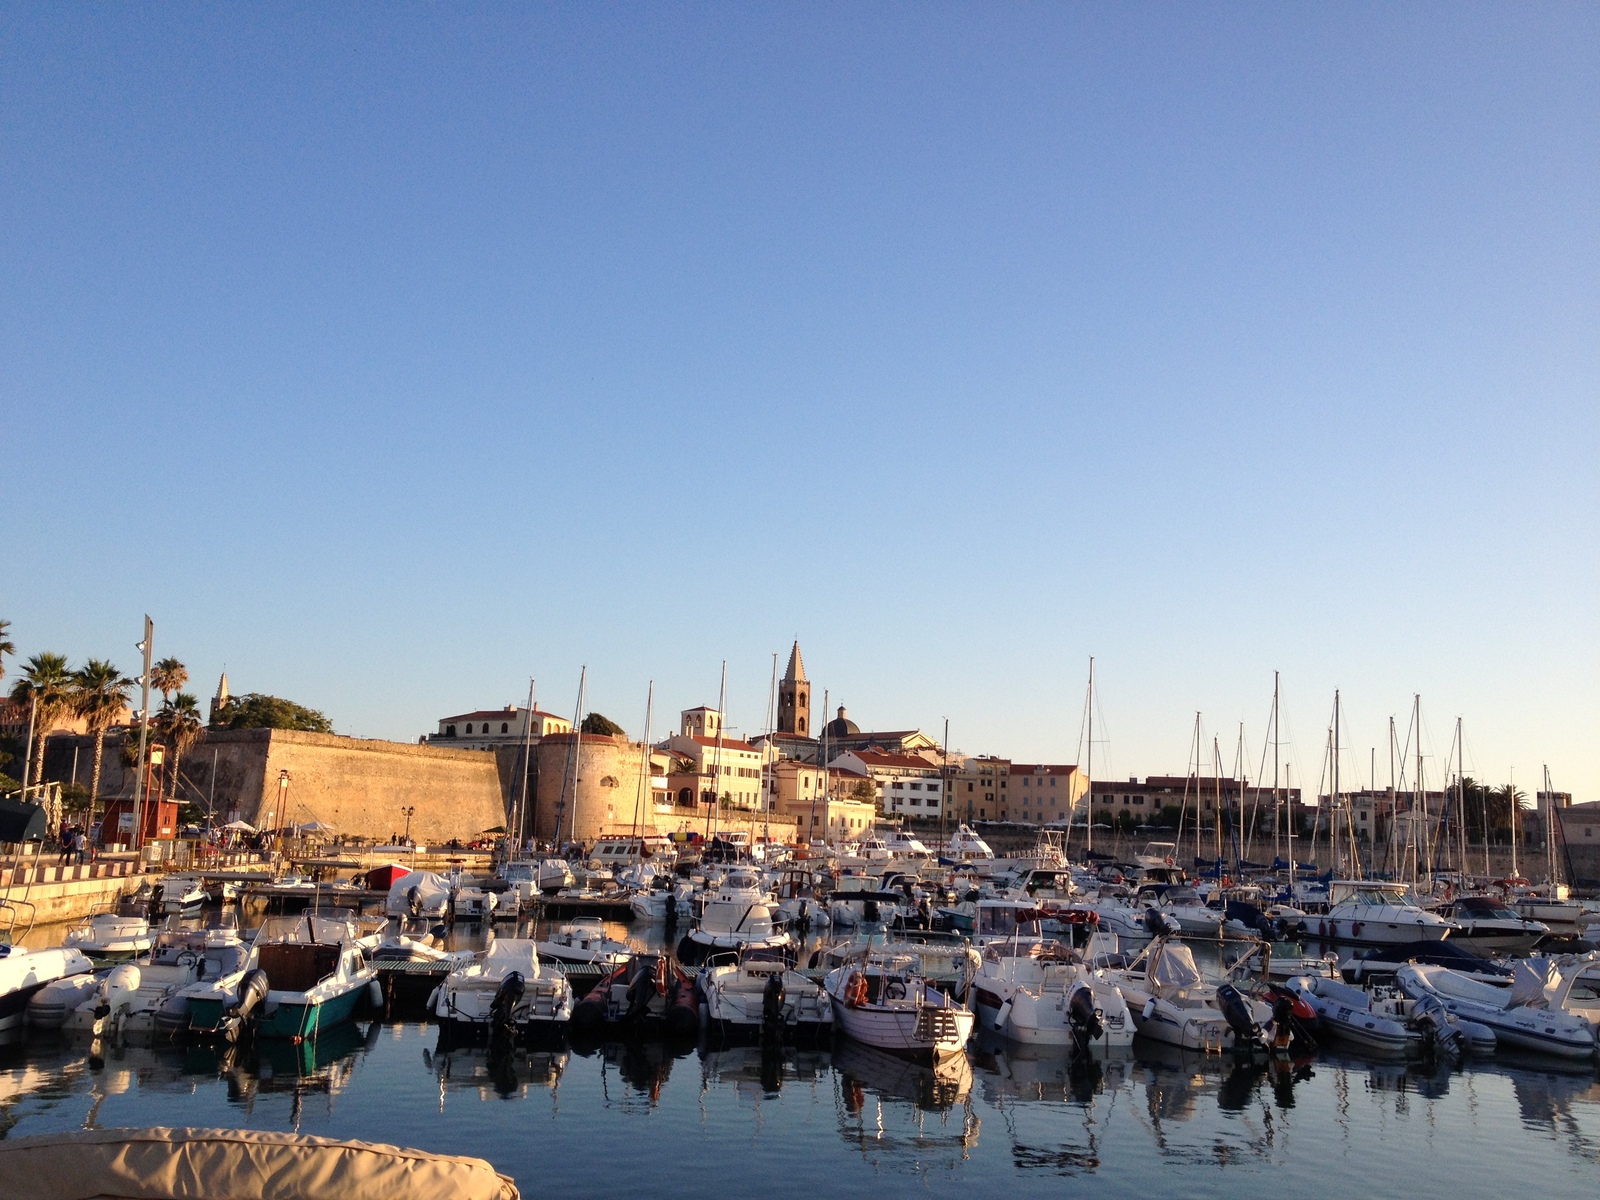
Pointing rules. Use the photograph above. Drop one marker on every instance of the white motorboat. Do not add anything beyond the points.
(1172, 1002)
(1364, 912)
(418, 894)
(1518, 1015)
(885, 1001)
(798, 903)
(49, 1006)
(664, 894)
(858, 899)
(417, 946)
(505, 994)
(24, 972)
(223, 962)
(1195, 919)
(476, 904)
(1046, 995)
(182, 895)
(761, 996)
(1551, 906)
(967, 847)
(583, 942)
(131, 1001)
(1570, 983)
(737, 916)
(1486, 926)
(110, 937)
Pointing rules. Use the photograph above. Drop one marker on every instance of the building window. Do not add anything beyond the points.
(504, 728)
(449, 731)
(469, 729)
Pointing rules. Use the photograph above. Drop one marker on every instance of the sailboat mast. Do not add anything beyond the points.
(644, 765)
(944, 784)
(519, 810)
(768, 792)
(1277, 800)
(1511, 799)
(575, 767)
(716, 763)
(1088, 825)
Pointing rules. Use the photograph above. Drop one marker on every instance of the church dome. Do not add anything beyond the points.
(842, 726)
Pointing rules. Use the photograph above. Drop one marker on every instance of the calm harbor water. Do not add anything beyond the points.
(848, 1121)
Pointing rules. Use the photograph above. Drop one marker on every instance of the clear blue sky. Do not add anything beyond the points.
(389, 355)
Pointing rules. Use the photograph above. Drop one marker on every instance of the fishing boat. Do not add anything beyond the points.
(304, 974)
(505, 995)
(583, 942)
(648, 993)
(1369, 913)
(110, 937)
(885, 1001)
(759, 995)
(1518, 1015)
(1046, 995)
(24, 972)
(1172, 1002)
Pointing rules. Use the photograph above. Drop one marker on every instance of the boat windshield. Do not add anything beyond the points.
(1002, 921)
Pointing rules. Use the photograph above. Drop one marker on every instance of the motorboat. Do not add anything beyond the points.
(647, 993)
(1486, 926)
(304, 974)
(663, 895)
(965, 846)
(234, 1162)
(737, 916)
(49, 1007)
(418, 894)
(1046, 995)
(182, 895)
(1365, 912)
(1551, 906)
(1195, 919)
(476, 904)
(799, 903)
(759, 995)
(418, 946)
(1384, 961)
(223, 962)
(1518, 1015)
(133, 994)
(583, 942)
(1386, 1021)
(24, 972)
(504, 995)
(1173, 1003)
(1570, 983)
(110, 937)
(903, 845)
(858, 899)
(886, 1001)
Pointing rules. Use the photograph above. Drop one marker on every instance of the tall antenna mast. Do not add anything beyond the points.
(1088, 825)
(644, 765)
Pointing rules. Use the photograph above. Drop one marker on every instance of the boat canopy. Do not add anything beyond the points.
(219, 1164)
(1174, 968)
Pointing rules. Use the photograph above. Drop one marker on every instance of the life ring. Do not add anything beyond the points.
(1169, 861)
(661, 976)
(855, 990)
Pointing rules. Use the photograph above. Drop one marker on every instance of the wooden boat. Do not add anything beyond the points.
(886, 1001)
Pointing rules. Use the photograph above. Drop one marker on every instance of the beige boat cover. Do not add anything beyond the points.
(234, 1164)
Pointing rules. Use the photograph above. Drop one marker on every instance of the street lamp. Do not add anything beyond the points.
(408, 810)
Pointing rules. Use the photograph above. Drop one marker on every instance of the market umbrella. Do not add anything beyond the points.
(316, 827)
(240, 826)
(494, 829)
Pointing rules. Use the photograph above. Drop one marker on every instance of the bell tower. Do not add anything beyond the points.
(794, 698)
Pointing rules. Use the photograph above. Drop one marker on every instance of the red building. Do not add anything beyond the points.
(160, 814)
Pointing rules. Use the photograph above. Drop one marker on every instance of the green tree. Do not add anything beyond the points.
(599, 724)
(7, 646)
(180, 727)
(47, 682)
(253, 710)
(100, 694)
(168, 676)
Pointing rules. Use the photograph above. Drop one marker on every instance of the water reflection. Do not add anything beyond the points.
(887, 1105)
(494, 1073)
(641, 1067)
(756, 1072)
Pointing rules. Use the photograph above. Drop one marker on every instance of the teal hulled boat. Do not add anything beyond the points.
(316, 974)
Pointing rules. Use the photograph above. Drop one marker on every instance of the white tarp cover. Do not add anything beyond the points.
(433, 891)
(1174, 968)
(1533, 980)
(234, 1164)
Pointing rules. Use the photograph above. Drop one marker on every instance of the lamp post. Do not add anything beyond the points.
(408, 810)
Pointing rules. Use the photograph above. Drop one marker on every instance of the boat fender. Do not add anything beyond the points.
(1001, 1015)
(375, 995)
(1355, 929)
(1149, 1009)
(433, 997)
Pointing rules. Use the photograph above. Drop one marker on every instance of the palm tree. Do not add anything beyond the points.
(7, 646)
(168, 676)
(48, 683)
(100, 696)
(179, 723)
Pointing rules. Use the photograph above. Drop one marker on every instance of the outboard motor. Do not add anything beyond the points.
(1084, 1017)
(641, 989)
(242, 1015)
(1439, 1036)
(156, 894)
(869, 911)
(414, 901)
(1160, 924)
(503, 1008)
(772, 998)
(1240, 1019)
(1284, 1021)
